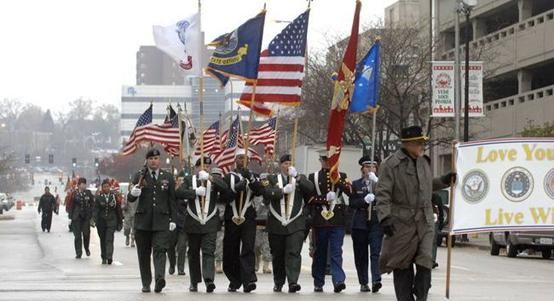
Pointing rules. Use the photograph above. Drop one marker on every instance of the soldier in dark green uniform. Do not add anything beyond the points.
(177, 251)
(80, 213)
(240, 226)
(47, 205)
(202, 191)
(107, 218)
(285, 194)
(328, 225)
(154, 189)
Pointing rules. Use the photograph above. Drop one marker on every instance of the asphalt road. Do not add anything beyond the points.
(41, 266)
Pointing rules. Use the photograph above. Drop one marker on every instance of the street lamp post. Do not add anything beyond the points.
(465, 7)
(467, 11)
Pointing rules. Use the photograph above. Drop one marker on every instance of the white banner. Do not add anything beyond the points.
(475, 89)
(504, 185)
(182, 41)
(443, 89)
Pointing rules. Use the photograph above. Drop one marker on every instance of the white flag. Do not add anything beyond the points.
(183, 42)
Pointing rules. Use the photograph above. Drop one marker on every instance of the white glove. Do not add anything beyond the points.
(370, 197)
(331, 196)
(292, 172)
(203, 175)
(288, 188)
(373, 177)
(172, 226)
(201, 191)
(136, 191)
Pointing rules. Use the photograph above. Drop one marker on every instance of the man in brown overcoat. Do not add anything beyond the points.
(405, 211)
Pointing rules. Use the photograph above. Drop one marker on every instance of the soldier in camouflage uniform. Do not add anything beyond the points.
(263, 252)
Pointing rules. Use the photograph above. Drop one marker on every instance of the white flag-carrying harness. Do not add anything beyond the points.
(205, 216)
(234, 203)
(182, 41)
(284, 217)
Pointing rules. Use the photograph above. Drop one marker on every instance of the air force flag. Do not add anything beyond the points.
(182, 41)
(366, 82)
(237, 54)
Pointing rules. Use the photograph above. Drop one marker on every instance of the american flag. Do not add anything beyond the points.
(212, 144)
(171, 127)
(166, 134)
(226, 158)
(281, 68)
(265, 134)
(144, 122)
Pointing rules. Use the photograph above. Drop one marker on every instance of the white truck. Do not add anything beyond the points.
(307, 160)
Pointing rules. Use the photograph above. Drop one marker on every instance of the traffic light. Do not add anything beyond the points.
(51, 158)
(96, 162)
(27, 158)
(74, 162)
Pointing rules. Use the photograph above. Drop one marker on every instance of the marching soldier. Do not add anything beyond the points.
(240, 226)
(129, 210)
(202, 192)
(406, 214)
(107, 218)
(366, 229)
(261, 247)
(154, 190)
(286, 223)
(328, 225)
(47, 205)
(80, 213)
(178, 244)
(219, 240)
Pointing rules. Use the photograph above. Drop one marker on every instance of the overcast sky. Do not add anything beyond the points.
(55, 51)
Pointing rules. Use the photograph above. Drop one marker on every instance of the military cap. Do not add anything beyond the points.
(207, 161)
(412, 133)
(81, 180)
(152, 153)
(285, 158)
(366, 160)
(323, 154)
(217, 171)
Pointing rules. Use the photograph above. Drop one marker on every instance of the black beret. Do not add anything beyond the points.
(106, 181)
(285, 158)
(207, 161)
(82, 180)
(412, 133)
(152, 153)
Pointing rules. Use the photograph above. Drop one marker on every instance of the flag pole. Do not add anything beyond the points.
(247, 135)
(373, 133)
(272, 158)
(180, 136)
(450, 224)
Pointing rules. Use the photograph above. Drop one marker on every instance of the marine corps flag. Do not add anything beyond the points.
(344, 85)
(237, 54)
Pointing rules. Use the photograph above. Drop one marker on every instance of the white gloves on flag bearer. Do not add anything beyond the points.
(172, 226)
(373, 177)
(203, 175)
(201, 191)
(331, 196)
(369, 198)
(135, 191)
(288, 188)
(292, 172)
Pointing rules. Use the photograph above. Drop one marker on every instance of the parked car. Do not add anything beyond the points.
(6, 202)
(515, 242)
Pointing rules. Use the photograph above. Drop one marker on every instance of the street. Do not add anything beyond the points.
(42, 266)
